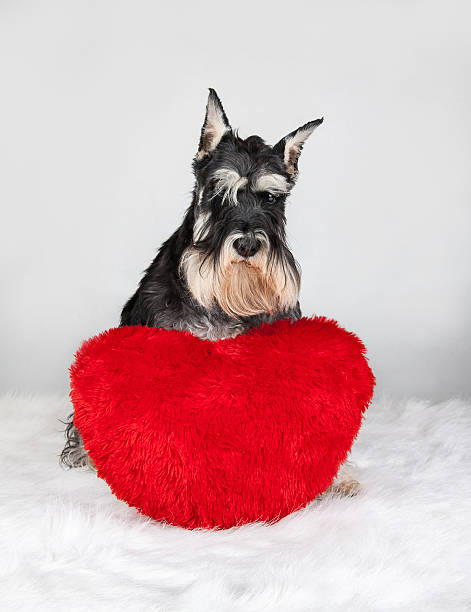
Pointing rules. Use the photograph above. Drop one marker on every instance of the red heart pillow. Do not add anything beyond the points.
(217, 434)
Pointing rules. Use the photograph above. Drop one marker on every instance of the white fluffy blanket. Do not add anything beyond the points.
(402, 544)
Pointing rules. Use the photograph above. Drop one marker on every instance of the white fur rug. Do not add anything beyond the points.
(402, 544)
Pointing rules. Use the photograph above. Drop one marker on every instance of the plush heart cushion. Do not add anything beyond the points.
(217, 434)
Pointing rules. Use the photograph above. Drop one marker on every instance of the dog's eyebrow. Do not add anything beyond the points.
(228, 182)
(273, 183)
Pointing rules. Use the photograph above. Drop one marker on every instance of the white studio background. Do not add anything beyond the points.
(100, 111)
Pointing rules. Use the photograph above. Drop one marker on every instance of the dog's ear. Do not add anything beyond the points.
(214, 127)
(290, 147)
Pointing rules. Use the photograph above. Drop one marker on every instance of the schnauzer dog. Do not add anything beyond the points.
(228, 267)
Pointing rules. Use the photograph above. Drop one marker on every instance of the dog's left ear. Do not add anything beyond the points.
(290, 147)
(214, 127)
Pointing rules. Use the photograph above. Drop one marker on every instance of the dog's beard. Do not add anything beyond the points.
(241, 287)
(245, 290)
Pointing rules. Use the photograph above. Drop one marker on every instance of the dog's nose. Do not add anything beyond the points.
(247, 246)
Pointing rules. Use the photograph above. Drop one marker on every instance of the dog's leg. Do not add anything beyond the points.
(345, 483)
(74, 454)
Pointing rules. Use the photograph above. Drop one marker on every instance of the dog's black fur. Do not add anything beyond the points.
(222, 230)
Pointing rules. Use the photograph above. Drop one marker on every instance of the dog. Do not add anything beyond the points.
(228, 267)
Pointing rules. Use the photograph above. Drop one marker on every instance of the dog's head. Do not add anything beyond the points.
(239, 257)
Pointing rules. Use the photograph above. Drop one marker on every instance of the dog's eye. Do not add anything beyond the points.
(269, 197)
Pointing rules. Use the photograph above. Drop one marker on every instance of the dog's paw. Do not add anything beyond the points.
(345, 488)
(345, 483)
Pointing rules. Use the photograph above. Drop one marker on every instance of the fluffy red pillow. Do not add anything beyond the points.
(217, 434)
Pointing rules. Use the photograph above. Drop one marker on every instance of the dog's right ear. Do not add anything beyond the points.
(214, 127)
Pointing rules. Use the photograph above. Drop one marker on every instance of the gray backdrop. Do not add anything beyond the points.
(100, 109)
